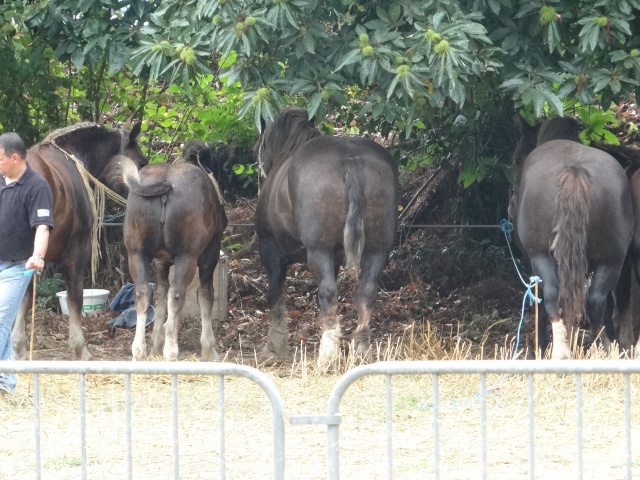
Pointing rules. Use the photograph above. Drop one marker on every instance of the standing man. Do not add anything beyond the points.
(26, 215)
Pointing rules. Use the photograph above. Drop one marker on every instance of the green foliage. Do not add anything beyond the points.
(597, 120)
(406, 51)
(247, 174)
(46, 289)
(214, 69)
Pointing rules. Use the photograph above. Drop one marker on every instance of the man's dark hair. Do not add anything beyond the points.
(13, 143)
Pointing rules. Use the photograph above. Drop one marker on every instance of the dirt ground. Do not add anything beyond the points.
(482, 310)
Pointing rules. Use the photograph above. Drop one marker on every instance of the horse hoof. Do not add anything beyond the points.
(85, 355)
(268, 356)
(212, 356)
(363, 355)
(561, 354)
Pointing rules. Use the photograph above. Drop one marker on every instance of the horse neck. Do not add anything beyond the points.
(94, 154)
(293, 143)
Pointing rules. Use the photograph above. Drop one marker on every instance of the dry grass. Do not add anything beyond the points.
(305, 390)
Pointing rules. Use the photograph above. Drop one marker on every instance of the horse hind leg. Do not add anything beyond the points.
(74, 301)
(276, 267)
(367, 293)
(205, 302)
(603, 282)
(183, 272)
(321, 265)
(160, 304)
(544, 268)
(138, 266)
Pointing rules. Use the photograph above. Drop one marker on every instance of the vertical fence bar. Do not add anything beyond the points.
(221, 411)
(176, 457)
(436, 428)
(36, 413)
(83, 425)
(127, 415)
(483, 422)
(532, 437)
(579, 422)
(627, 421)
(389, 427)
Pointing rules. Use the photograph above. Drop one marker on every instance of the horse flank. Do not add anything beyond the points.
(569, 240)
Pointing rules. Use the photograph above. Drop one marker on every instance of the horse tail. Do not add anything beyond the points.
(354, 225)
(155, 189)
(569, 244)
(117, 169)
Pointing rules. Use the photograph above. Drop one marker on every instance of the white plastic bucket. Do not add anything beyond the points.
(94, 300)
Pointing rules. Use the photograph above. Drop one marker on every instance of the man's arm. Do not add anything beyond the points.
(40, 244)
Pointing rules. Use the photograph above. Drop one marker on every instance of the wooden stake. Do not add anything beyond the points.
(33, 313)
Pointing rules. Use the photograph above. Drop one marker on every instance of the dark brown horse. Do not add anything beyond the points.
(574, 219)
(70, 243)
(326, 201)
(629, 325)
(174, 216)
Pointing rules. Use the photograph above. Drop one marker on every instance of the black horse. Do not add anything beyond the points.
(174, 216)
(326, 201)
(574, 219)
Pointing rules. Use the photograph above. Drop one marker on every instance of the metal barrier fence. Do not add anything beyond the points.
(221, 370)
(465, 367)
(333, 418)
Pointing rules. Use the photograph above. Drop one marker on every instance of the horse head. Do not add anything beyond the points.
(198, 153)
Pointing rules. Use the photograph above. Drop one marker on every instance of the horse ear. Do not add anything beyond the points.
(135, 131)
(127, 124)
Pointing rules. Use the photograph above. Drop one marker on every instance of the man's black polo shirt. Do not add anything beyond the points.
(24, 204)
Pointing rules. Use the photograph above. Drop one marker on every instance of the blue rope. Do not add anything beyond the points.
(507, 228)
(111, 218)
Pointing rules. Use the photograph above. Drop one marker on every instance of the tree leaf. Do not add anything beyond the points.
(351, 57)
(314, 103)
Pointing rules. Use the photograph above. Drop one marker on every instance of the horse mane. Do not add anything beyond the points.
(559, 128)
(289, 129)
(64, 131)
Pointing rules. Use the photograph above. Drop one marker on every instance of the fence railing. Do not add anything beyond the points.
(174, 369)
(333, 418)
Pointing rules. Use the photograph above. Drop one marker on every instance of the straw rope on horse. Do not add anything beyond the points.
(96, 197)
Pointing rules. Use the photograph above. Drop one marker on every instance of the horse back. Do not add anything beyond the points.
(305, 200)
(183, 221)
(610, 214)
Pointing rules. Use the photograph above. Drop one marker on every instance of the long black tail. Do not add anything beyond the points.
(354, 225)
(569, 245)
